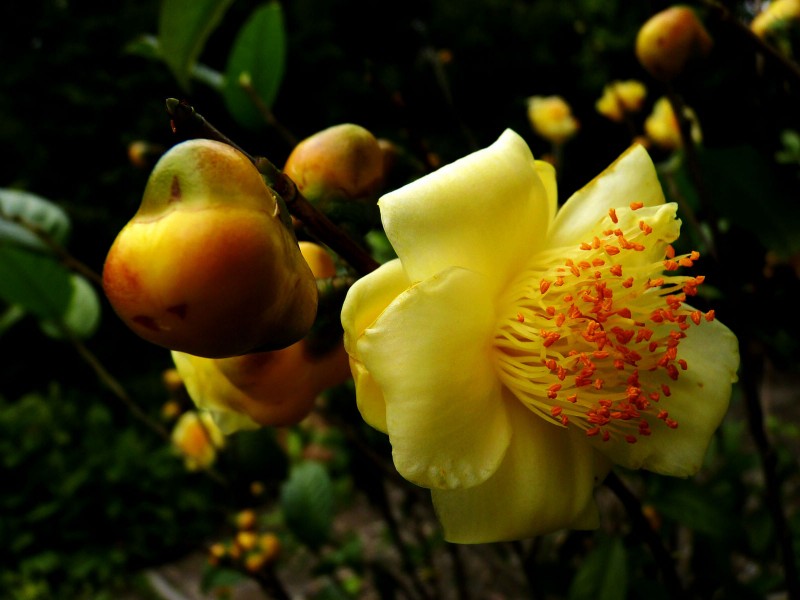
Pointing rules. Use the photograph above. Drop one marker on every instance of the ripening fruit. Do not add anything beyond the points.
(206, 266)
(343, 162)
(669, 40)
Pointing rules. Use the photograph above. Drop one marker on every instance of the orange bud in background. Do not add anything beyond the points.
(343, 162)
(669, 40)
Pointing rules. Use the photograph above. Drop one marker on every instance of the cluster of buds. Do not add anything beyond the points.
(249, 549)
(210, 267)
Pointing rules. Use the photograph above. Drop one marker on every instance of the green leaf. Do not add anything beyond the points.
(82, 315)
(184, 26)
(259, 54)
(307, 503)
(35, 282)
(603, 574)
(220, 577)
(20, 211)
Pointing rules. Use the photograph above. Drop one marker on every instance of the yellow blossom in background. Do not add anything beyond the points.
(662, 127)
(620, 98)
(513, 353)
(197, 437)
(777, 14)
(266, 388)
(551, 117)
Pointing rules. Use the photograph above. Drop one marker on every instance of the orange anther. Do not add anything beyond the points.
(696, 316)
(564, 420)
(592, 431)
(559, 281)
(684, 365)
(611, 250)
(628, 282)
(665, 389)
(670, 265)
(616, 270)
(556, 410)
(550, 310)
(520, 317)
(686, 262)
(544, 285)
(598, 262)
(585, 246)
(619, 364)
(645, 227)
(606, 435)
(694, 255)
(560, 318)
(625, 313)
(636, 205)
(613, 214)
(671, 424)
(670, 251)
(631, 439)
(710, 316)
(573, 398)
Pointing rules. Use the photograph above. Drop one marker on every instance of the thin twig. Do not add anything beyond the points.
(775, 56)
(642, 527)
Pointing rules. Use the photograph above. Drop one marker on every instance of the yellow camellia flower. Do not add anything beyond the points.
(513, 353)
(197, 437)
(663, 129)
(620, 98)
(551, 117)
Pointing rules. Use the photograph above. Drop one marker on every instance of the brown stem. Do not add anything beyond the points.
(188, 121)
(748, 377)
(642, 528)
(693, 165)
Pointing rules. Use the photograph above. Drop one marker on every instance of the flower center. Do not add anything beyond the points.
(589, 335)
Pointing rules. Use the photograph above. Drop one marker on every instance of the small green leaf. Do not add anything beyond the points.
(258, 54)
(307, 503)
(20, 211)
(695, 508)
(35, 282)
(184, 26)
(603, 574)
(82, 315)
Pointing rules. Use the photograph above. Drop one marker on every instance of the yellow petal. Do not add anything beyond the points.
(429, 354)
(631, 178)
(486, 212)
(698, 402)
(544, 484)
(365, 301)
(209, 390)
(547, 174)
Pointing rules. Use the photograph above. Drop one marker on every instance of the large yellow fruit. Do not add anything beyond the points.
(206, 266)
(669, 40)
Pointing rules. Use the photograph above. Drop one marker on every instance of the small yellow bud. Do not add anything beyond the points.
(777, 15)
(246, 520)
(172, 380)
(551, 117)
(257, 488)
(343, 162)
(144, 155)
(270, 545)
(663, 129)
(218, 551)
(669, 40)
(246, 540)
(620, 98)
(197, 437)
(170, 410)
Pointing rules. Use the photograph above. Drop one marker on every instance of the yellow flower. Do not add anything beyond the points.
(197, 437)
(265, 388)
(513, 353)
(621, 97)
(663, 129)
(777, 14)
(551, 117)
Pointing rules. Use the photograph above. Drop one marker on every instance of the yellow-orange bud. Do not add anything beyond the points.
(246, 520)
(669, 40)
(778, 14)
(343, 162)
(206, 266)
(551, 117)
(620, 98)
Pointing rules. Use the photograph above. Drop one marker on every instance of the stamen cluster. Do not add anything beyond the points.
(592, 334)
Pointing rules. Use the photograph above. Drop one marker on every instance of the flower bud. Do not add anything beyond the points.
(669, 40)
(197, 437)
(266, 388)
(551, 117)
(663, 129)
(779, 14)
(620, 98)
(343, 162)
(206, 266)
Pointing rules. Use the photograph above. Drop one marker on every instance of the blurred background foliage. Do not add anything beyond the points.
(91, 496)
